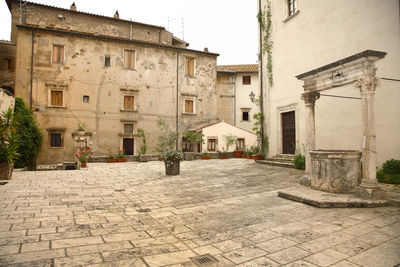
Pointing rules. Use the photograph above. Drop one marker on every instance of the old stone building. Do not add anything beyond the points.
(318, 45)
(113, 75)
(239, 94)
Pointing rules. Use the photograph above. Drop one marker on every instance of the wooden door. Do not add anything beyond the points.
(288, 133)
(128, 146)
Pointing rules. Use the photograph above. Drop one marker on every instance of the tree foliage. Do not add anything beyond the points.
(167, 139)
(30, 136)
(8, 137)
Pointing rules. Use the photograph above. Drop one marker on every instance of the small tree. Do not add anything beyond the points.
(143, 146)
(193, 137)
(167, 139)
(230, 140)
(30, 136)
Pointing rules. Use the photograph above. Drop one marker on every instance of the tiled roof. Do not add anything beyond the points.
(238, 68)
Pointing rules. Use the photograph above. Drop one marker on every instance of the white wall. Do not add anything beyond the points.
(321, 33)
(222, 129)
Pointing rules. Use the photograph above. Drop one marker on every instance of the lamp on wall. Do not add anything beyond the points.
(252, 95)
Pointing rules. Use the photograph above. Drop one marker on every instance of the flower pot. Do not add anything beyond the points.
(81, 133)
(257, 157)
(109, 160)
(223, 156)
(121, 159)
(161, 158)
(248, 156)
(6, 171)
(243, 156)
(83, 164)
(238, 153)
(205, 157)
(172, 168)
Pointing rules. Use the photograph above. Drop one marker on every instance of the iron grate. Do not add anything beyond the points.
(204, 259)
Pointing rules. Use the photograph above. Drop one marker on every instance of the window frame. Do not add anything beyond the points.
(194, 101)
(212, 142)
(61, 140)
(107, 59)
(61, 54)
(128, 61)
(248, 115)
(7, 64)
(190, 66)
(86, 97)
(246, 80)
(124, 103)
(241, 143)
(51, 98)
(125, 129)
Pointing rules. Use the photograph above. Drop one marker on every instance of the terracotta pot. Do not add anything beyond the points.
(248, 156)
(243, 156)
(111, 160)
(161, 158)
(6, 171)
(223, 156)
(257, 157)
(121, 159)
(83, 164)
(173, 169)
(205, 157)
(238, 153)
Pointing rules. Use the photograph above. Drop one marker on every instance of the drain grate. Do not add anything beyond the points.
(204, 259)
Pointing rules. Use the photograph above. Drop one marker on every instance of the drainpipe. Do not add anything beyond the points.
(177, 96)
(31, 85)
(261, 82)
(235, 98)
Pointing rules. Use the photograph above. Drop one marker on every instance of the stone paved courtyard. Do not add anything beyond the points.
(131, 214)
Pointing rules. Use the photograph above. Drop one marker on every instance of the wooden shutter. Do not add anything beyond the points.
(128, 102)
(189, 106)
(58, 54)
(189, 66)
(129, 59)
(56, 98)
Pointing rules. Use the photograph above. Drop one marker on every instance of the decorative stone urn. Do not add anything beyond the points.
(6, 171)
(174, 168)
(337, 171)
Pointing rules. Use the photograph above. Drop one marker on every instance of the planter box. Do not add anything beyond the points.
(111, 160)
(237, 153)
(243, 156)
(223, 156)
(257, 157)
(6, 171)
(337, 171)
(173, 169)
(121, 159)
(205, 157)
(248, 156)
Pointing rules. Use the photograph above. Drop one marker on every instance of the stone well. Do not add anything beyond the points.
(337, 171)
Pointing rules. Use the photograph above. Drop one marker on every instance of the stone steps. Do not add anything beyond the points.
(281, 160)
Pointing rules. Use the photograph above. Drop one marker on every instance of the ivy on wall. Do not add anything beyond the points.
(264, 18)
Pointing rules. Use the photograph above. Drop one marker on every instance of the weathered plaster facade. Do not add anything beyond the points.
(7, 64)
(94, 93)
(316, 35)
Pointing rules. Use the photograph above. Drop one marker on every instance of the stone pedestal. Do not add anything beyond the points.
(337, 171)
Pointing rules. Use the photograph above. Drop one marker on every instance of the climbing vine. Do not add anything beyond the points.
(264, 18)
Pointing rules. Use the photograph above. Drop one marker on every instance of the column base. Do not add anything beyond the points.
(369, 191)
(305, 180)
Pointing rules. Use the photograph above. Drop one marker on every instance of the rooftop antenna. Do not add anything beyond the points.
(183, 30)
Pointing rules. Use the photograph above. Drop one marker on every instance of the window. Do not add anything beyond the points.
(189, 106)
(56, 140)
(186, 145)
(292, 7)
(129, 59)
(58, 54)
(246, 79)
(212, 144)
(85, 99)
(107, 61)
(56, 98)
(241, 143)
(189, 66)
(7, 64)
(245, 116)
(128, 128)
(129, 102)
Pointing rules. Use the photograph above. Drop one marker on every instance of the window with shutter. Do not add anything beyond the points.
(189, 66)
(129, 59)
(246, 80)
(56, 140)
(57, 98)
(58, 54)
(129, 102)
(189, 106)
(212, 144)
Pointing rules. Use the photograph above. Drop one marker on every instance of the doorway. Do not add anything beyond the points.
(128, 146)
(288, 133)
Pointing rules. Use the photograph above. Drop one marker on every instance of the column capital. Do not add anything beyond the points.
(367, 84)
(310, 97)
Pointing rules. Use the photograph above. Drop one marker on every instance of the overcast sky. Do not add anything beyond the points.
(227, 27)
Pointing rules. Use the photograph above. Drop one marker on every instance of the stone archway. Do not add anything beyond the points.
(360, 70)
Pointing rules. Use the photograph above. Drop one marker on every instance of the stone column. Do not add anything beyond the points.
(369, 186)
(309, 99)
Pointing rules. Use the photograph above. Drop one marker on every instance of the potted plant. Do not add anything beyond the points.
(111, 157)
(143, 146)
(244, 153)
(205, 155)
(237, 152)
(194, 138)
(167, 139)
(8, 144)
(120, 157)
(83, 154)
(172, 161)
(257, 153)
(249, 153)
(223, 154)
(81, 129)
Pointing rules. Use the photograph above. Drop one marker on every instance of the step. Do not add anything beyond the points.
(283, 160)
(276, 163)
(285, 156)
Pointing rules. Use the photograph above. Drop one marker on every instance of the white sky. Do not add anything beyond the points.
(227, 27)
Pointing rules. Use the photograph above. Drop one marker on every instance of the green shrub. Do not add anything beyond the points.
(390, 172)
(30, 136)
(300, 162)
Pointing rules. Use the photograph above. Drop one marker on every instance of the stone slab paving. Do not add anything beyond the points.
(131, 214)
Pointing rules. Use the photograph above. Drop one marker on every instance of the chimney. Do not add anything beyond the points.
(73, 7)
(116, 15)
(206, 49)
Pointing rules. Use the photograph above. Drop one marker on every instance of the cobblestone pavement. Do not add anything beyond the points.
(131, 214)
